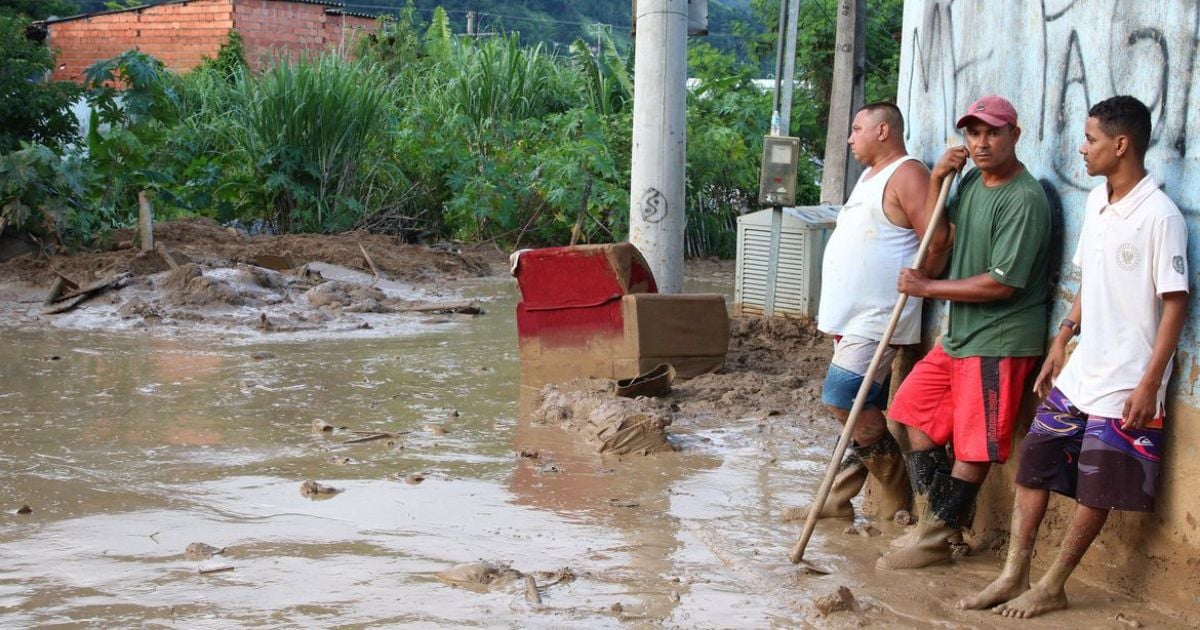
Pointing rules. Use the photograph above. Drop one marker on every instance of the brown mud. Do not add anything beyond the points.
(206, 242)
(130, 446)
(328, 284)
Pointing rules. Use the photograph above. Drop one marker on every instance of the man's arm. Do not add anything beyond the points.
(1142, 405)
(909, 191)
(1056, 357)
(951, 163)
(976, 289)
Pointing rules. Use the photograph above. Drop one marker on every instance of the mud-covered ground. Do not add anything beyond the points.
(438, 496)
(225, 279)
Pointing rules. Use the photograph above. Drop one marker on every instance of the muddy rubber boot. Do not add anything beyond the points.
(950, 505)
(885, 462)
(851, 476)
(922, 466)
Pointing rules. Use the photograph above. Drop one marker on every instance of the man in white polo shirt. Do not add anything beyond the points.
(1098, 436)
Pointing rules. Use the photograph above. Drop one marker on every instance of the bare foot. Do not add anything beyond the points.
(1001, 590)
(1034, 602)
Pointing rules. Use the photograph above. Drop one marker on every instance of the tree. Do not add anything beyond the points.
(816, 33)
(38, 9)
(32, 109)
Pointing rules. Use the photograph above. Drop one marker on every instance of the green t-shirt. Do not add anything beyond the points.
(1005, 233)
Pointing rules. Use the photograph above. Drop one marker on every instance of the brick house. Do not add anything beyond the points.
(181, 32)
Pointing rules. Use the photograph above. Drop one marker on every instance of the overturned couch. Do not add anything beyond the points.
(595, 311)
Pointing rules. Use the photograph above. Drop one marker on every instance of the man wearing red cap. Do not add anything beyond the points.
(968, 388)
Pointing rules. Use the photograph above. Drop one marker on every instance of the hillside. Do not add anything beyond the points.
(546, 21)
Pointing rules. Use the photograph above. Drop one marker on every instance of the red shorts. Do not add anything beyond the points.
(972, 401)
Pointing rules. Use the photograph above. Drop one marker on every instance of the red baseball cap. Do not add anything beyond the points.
(993, 110)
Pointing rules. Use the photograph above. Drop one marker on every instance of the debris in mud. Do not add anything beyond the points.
(1128, 621)
(52, 357)
(531, 591)
(202, 551)
(200, 272)
(548, 469)
(188, 286)
(530, 453)
(216, 568)
(314, 490)
(262, 355)
(414, 479)
(347, 297)
(840, 600)
(866, 530)
(67, 301)
(623, 503)
(610, 424)
(435, 429)
(904, 518)
(479, 576)
(338, 460)
(320, 426)
(371, 436)
(24, 509)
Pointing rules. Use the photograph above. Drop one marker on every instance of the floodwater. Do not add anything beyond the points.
(128, 447)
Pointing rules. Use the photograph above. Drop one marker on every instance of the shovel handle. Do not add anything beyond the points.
(860, 399)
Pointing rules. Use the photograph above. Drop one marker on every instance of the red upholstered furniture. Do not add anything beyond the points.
(594, 310)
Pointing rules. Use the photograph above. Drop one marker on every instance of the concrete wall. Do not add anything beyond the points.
(1054, 59)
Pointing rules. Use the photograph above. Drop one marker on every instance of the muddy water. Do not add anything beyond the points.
(130, 447)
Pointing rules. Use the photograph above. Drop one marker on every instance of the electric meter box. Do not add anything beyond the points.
(777, 186)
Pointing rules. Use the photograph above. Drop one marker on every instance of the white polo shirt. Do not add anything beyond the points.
(1130, 253)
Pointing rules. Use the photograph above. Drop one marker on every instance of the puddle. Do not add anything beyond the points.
(132, 446)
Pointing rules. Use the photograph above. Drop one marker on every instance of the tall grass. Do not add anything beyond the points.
(498, 80)
(315, 135)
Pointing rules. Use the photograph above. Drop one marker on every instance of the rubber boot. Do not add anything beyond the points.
(885, 462)
(922, 466)
(948, 511)
(851, 476)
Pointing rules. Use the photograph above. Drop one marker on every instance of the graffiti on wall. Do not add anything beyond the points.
(1054, 59)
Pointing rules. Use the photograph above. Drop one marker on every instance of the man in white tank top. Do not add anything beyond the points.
(877, 234)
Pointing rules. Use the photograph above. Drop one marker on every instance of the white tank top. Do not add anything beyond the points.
(862, 261)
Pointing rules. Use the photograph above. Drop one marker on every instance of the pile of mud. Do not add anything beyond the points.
(773, 367)
(206, 242)
(607, 422)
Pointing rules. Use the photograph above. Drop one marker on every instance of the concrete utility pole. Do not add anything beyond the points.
(789, 68)
(656, 188)
(846, 96)
(471, 23)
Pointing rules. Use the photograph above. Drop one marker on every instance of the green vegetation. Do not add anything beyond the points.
(425, 133)
(31, 110)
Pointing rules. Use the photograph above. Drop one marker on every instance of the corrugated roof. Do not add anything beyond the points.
(327, 3)
(350, 13)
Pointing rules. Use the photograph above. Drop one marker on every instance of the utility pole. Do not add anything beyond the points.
(845, 98)
(656, 189)
(471, 23)
(788, 82)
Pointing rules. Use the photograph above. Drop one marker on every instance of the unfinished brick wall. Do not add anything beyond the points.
(272, 28)
(181, 34)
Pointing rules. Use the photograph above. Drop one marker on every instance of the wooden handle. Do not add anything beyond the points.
(818, 504)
